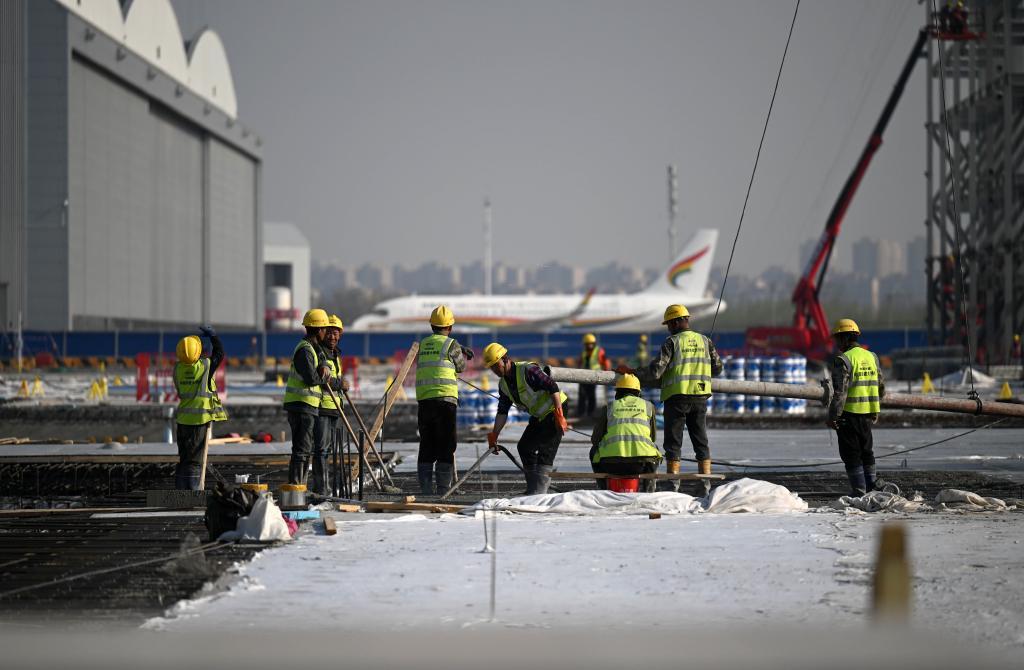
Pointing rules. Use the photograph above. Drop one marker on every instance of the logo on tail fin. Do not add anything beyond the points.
(684, 266)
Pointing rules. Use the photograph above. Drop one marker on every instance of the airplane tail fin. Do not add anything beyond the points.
(688, 274)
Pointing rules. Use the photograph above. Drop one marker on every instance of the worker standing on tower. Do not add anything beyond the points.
(684, 368)
(441, 359)
(198, 404)
(528, 387)
(624, 434)
(857, 390)
(327, 419)
(592, 358)
(303, 393)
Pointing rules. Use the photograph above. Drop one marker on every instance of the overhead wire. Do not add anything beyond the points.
(753, 172)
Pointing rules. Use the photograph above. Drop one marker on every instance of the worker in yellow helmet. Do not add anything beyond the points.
(440, 360)
(624, 435)
(1015, 350)
(525, 385)
(303, 391)
(198, 403)
(857, 390)
(642, 356)
(325, 428)
(684, 367)
(592, 358)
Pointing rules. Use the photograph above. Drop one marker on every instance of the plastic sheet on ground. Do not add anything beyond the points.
(945, 500)
(264, 523)
(742, 495)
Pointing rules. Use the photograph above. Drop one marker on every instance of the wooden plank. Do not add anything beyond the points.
(689, 476)
(392, 394)
(409, 499)
(347, 507)
(330, 527)
(411, 507)
(231, 440)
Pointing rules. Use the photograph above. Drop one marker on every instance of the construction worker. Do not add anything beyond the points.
(857, 389)
(528, 387)
(684, 366)
(642, 356)
(303, 393)
(1015, 351)
(327, 419)
(441, 359)
(592, 358)
(625, 433)
(198, 404)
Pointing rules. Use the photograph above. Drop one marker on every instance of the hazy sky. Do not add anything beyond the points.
(386, 123)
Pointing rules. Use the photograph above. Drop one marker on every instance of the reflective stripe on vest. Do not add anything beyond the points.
(689, 371)
(629, 430)
(537, 403)
(296, 389)
(862, 394)
(595, 359)
(435, 373)
(198, 402)
(333, 364)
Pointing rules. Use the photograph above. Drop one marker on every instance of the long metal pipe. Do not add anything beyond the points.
(820, 392)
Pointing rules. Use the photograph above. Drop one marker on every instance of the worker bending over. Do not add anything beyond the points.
(528, 387)
(624, 435)
(303, 393)
(441, 358)
(198, 404)
(857, 390)
(684, 367)
(592, 358)
(324, 430)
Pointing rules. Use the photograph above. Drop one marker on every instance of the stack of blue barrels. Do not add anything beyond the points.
(780, 369)
(477, 408)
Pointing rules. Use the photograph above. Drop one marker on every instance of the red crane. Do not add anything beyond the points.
(809, 333)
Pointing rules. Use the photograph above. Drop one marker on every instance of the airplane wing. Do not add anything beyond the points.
(552, 322)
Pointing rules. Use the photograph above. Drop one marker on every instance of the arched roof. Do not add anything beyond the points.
(209, 71)
(104, 14)
(151, 30)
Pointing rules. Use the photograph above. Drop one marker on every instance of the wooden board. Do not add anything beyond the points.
(392, 394)
(330, 527)
(689, 476)
(346, 507)
(411, 507)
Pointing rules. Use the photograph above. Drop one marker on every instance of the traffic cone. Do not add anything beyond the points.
(485, 382)
(23, 392)
(280, 382)
(37, 388)
(117, 381)
(927, 386)
(1005, 393)
(104, 390)
(94, 391)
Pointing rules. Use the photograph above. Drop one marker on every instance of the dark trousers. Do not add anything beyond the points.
(436, 421)
(856, 444)
(588, 399)
(691, 413)
(323, 440)
(539, 443)
(190, 456)
(303, 426)
(626, 466)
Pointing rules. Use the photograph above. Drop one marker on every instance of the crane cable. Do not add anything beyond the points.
(753, 172)
(973, 394)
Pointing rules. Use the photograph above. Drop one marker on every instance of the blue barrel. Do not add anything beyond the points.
(735, 403)
(735, 367)
(752, 404)
(465, 417)
(768, 405)
(799, 370)
(718, 403)
(769, 368)
(752, 369)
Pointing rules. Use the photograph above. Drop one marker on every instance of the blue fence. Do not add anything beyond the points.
(383, 345)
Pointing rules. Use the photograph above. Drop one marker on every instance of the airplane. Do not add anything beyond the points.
(684, 282)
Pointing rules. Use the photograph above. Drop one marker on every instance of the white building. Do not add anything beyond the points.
(286, 264)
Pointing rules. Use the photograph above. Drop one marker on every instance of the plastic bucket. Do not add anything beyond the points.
(624, 484)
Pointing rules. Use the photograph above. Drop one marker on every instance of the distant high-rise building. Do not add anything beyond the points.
(865, 257)
(370, 277)
(917, 251)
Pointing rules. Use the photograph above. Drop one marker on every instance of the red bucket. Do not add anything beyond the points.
(624, 484)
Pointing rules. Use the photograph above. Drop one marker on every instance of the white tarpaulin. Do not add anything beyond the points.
(264, 523)
(742, 495)
(946, 499)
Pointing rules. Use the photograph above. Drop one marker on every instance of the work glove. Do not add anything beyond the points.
(833, 424)
(468, 353)
(492, 442)
(560, 418)
(325, 374)
(207, 329)
(344, 384)
(624, 369)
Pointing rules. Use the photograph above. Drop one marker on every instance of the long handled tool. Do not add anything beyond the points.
(369, 440)
(206, 452)
(472, 469)
(348, 427)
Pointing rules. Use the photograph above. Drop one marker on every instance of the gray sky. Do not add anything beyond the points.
(385, 123)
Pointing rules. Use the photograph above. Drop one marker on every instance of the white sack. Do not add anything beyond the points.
(968, 500)
(264, 523)
(752, 495)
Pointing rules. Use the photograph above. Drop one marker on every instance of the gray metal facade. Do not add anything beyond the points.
(142, 201)
(12, 162)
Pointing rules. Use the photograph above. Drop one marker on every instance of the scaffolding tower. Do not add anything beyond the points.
(975, 177)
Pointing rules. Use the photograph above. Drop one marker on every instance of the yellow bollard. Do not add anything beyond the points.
(927, 386)
(891, 588)
(1005, 393)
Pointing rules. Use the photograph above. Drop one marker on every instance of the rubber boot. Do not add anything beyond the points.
(543, 479)
(425, 474)
(672, 468)
(704, 466)
(319, 480)
(531, 482)
(869, 478)
(297, 470)
(445, 473)
(858, 486)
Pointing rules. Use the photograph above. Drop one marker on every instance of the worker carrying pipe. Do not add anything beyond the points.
(441, 358)
(684, 368)
(857, 391)
(198, 404)
(525, 385)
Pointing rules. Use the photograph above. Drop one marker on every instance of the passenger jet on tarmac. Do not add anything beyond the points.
(684, 282)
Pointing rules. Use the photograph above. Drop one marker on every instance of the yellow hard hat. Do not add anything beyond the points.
(442, 317)
(643, 337)
(1016, 338)
(589, 339)
(316, 318)
(335, 322)
(674, 312)
(189, 348)
(846, 326)
(493, 353)
(627, 382)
